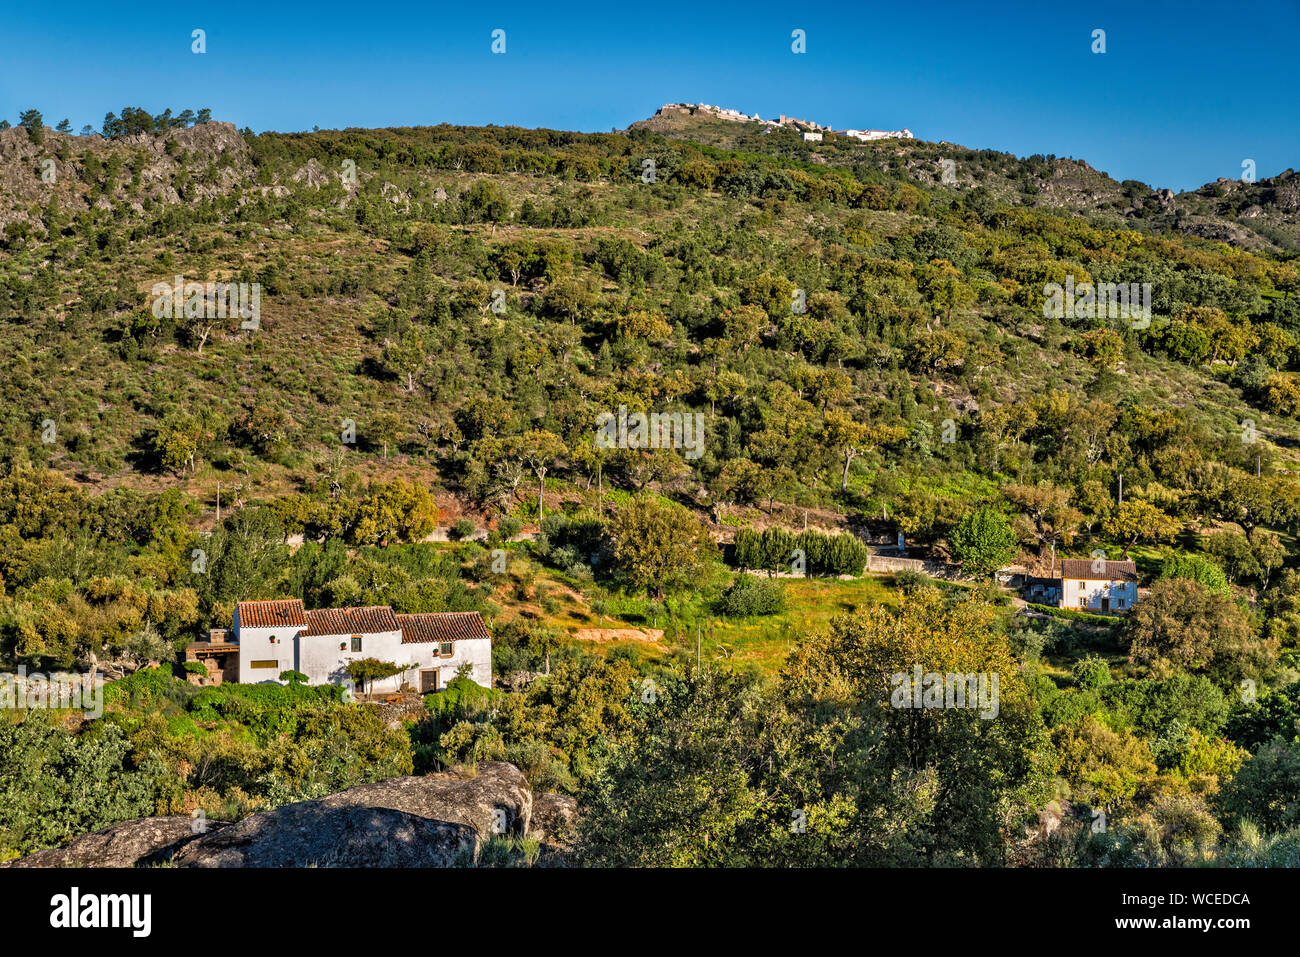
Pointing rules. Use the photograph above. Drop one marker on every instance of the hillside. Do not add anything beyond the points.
(416, 413)
(346, 266)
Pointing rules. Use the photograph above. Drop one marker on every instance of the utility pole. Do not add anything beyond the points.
(1121, 489)
(218, 501)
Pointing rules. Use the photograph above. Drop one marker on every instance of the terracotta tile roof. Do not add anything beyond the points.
(1081, 569)
(286, 612)
(350, 621)
(442, 626)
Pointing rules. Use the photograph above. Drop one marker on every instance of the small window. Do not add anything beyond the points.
(444, 649)
(1083, 601)
(1083, 584)
(1119, 602)
(356, 642)
(264, 664)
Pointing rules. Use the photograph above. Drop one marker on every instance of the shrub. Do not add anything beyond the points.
(752, 596)
(908, 581)
(1197, 568)
(1092, 672)
(774, 550)
(1266, 791)
(983, 542)
(463, 528)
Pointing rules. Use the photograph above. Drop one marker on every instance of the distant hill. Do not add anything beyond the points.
(1260, 215)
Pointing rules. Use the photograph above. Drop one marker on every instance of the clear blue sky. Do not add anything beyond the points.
(1183, 94)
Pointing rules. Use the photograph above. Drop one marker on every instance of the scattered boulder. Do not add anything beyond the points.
(553, 818)
(400, 822)
(312, 834)
(121, 845)
(311, 173)
(438, 820)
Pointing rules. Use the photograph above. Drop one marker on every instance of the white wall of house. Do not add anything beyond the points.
(257, 647)
(475, 652)
(1122, 595)
(324, 659)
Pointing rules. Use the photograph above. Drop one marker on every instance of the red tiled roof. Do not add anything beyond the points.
(350, 621)
(442, 626)
(286, 612)
(1082, 569)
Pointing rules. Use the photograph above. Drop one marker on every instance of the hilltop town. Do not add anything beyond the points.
(811, 131)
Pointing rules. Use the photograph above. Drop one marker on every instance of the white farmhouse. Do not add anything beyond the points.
(1098, 586)
(277, 636)
(812, 137)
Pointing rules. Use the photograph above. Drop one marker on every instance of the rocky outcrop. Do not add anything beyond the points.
(214, 154)
(425, 821)
(312, 173)
(554, 817)
(437, 820)
(312, 834)
(121, 845)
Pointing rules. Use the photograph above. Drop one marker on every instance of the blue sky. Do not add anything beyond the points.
(1183, 94)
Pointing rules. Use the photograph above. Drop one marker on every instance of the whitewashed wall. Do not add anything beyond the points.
(322, 660)
(1095, 591)
(255, 645)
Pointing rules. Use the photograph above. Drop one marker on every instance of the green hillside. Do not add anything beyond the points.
(446, 313)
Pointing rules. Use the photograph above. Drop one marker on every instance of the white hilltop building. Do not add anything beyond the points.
(867, 136)
(812, 132)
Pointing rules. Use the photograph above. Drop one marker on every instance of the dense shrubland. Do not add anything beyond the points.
(921, 390)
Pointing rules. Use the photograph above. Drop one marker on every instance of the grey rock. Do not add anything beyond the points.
(401, 822)
(554, 816)
(432, 821)
(120, 845)
(310, 834)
